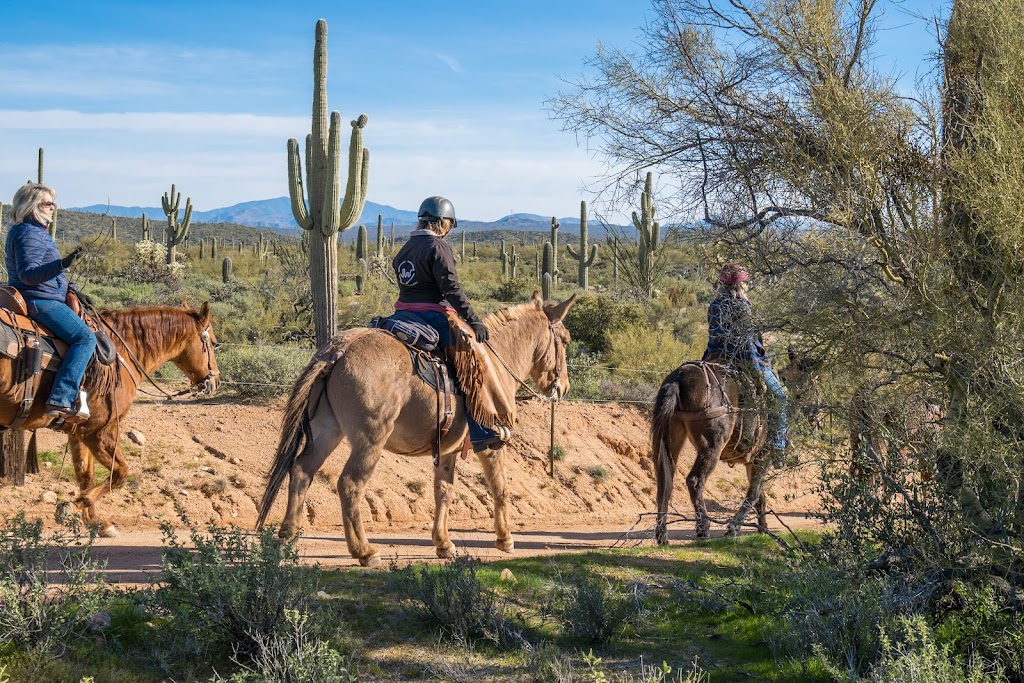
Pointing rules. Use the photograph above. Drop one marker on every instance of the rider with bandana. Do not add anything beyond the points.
(428, 286)
(734, 339)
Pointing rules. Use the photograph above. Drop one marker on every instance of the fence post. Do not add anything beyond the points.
(551, 448)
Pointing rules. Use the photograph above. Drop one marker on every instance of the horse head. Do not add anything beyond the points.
(198, 359)
(551, 372)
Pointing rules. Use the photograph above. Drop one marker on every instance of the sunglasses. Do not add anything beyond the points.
(48, 205)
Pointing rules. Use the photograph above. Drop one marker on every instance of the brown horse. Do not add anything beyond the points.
(700, 403)
(371, 397)
(146, 338)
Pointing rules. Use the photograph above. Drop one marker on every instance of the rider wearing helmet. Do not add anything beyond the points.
(734, 339)
(428, 286)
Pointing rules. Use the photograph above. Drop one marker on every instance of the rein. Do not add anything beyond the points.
(521, 382)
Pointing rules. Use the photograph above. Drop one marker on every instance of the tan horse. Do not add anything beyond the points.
(372, 398)
(700, 403)
(146, 338)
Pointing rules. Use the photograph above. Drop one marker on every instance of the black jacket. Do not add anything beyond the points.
(425, 266)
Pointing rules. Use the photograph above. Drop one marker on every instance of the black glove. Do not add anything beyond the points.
(71, 258)
(85, 299)
(481, 331)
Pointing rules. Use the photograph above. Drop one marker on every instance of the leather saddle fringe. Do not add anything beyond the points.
(487, 400)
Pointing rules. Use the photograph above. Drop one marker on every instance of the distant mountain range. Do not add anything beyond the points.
(277, 214)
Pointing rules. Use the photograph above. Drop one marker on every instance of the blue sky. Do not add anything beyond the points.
(128, 97)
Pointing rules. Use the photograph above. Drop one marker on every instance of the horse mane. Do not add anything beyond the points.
(145, 328)
(511, 313)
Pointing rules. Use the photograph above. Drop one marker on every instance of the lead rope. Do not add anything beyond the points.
(522, 383)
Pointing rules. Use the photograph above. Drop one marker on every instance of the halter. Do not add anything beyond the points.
(558, 360)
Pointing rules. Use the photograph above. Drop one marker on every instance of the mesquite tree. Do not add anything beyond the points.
(321, 209)
(883, 233)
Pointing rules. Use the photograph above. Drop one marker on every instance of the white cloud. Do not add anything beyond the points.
(449, 61)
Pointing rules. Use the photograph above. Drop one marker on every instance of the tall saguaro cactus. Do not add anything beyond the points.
(583, 272)
(176, 232)
(317, 208)
(648, 236)
(554, 250)
(147, 236)
(380, 236)
(547, 280)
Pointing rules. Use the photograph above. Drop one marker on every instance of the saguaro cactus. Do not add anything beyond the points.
(547, 280)
(147, 236)
(583, 271)
(513, 263)
(554, 250)
(361, 243)
(176, 232)
(322, 216)
(225, 269)
(648, 236)
(113, 229)
(380, 236)
(503, 257)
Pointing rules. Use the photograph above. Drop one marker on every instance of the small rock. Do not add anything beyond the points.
(197, 438)
(136, 437)
(97, 622)
(507, 576)
(49, 497)
(208, 470)
(322, 595)
(183, 492)
(233, 460)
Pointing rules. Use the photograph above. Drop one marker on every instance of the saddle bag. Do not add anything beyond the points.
(410, 332)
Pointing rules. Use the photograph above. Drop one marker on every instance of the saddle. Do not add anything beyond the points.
(751, 425)
(36, 349)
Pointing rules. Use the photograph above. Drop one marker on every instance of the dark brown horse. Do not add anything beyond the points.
(700, 403)
(370, 397)
(145, 338)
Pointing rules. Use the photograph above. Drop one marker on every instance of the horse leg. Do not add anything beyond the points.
(708, 454)
(351, 486)
(444, 484)
(665, 462)
(756, 471)
(86, 450)
(325, 437)
(493, 463)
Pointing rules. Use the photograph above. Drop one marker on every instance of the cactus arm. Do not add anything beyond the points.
(358, 174)
(295, 189)
(332, 191)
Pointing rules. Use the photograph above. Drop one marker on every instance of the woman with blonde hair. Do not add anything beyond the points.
(36, 269)
(734, 339)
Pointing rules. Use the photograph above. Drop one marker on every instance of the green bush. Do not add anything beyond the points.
(593, 317)
(456, 601)
(45, 611)
(261, 371)
(591, 610)
(228, 594)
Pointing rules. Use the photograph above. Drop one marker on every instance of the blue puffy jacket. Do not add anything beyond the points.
(33, 263)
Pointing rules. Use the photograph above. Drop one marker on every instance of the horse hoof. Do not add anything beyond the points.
(508, 546)
(373, 561)
(446, 552)
(109, 531)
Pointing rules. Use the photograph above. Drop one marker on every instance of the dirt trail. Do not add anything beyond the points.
(210, 459)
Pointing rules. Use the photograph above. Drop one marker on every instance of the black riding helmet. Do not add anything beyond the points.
(437, 207)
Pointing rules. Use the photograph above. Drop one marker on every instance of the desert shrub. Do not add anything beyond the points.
(295, 656)
(917, 658)
(585, 372)
(454, 599)
(515, 290)
(261, 371)
(149, 265)
(642, 355)
(592, 318)
(591, 610)
(231, 594)
(45, 611)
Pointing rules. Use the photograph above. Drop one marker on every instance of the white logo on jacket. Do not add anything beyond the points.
(406, 273)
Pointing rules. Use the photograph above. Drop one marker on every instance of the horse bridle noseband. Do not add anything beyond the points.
(206, 384)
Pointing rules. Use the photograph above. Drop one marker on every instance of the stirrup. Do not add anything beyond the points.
(80, 413)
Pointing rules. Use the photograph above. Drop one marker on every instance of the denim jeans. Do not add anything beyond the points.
(777, 417)
(477, 433)
(62, 322)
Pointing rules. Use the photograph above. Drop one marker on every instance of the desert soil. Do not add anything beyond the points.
(210, 458)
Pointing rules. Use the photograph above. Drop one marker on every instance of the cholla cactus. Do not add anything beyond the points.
(322, 216)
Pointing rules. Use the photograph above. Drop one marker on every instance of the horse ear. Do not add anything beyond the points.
(558, 312)
(204, 312)
(184, 304)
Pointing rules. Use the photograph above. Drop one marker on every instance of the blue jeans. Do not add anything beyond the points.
(477, 433)
(62, 322)
(777, 417)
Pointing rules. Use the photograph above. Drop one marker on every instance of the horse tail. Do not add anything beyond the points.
(665, 405)
(295, 430)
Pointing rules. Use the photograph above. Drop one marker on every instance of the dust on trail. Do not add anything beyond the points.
(209, 459)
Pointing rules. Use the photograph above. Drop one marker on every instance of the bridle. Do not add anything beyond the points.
(208, 383)
(204, 385)
(553, 326)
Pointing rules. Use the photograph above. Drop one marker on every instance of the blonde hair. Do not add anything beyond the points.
(27, 199)
(439, 226)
